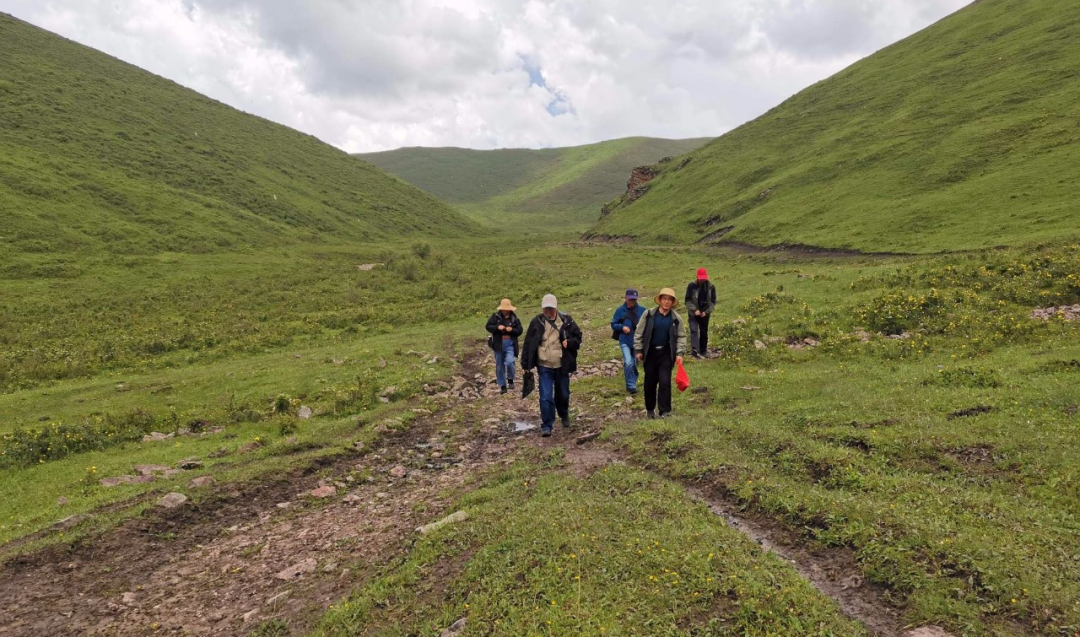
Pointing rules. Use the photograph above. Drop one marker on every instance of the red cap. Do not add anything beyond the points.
(702, 274)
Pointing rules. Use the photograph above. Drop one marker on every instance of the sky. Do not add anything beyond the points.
(371, 75)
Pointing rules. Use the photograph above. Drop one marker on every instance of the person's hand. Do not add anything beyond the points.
(625, 330)
(566, 343)
(639, 356)
(502, 328)
(678, 360)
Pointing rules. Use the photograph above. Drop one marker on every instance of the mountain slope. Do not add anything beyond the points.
(961, 136)
(102, 156)
(560, 184)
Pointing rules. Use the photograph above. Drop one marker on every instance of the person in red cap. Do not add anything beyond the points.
(700, 303)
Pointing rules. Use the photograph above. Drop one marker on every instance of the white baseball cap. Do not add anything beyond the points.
(549, 301)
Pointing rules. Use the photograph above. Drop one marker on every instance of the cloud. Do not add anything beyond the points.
(377, 74)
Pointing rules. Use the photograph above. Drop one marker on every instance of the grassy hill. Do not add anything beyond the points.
(961, 136)
(102, 156)
(563, 185)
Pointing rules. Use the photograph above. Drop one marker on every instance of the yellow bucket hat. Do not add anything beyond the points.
(506, 305)
(668, 292)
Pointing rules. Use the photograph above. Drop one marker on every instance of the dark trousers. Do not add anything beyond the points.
(658, 366)
(554, 386)
(699, 334)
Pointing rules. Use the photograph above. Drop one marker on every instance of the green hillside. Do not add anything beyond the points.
(102, 156)
(567, 185)
(961, 136)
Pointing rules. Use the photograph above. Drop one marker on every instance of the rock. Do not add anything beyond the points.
(330, 566)
(190, 463)
(250, 615)
(455, 629)
(150, 469)
(382, 495)
(202, 481)
(398, 472)
(155, 436)
(172, 473)
(749, 388)
(305, 413)
(277, 599)
(172, 501)
(61, 501)
(382, 364)
(115, 481)
(358, 445)
(367, 267)
(758, 345)
(453, 518)
(325, 491)
(249, 447)
(220, 453)
(589, 437)
(928, 631)
(283, 505)
(128, 598)
(69, 522)
(143, 479)
(295, 571)
(389, 391)
(352, 498)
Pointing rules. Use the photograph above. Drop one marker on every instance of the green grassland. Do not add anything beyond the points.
(962, 136)
(533, 191)
(102, 157)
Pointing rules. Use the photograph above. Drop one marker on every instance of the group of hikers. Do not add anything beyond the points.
(654, 338)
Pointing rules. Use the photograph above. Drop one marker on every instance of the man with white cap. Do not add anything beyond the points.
(551, 347)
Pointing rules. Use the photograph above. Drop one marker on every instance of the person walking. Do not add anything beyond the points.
(700, 303)
(505, 328)
(624, 323)
(551, 347)
(660, 342)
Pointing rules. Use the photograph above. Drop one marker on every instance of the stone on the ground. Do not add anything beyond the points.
(202, 481)
(187, 464)
(455, 629)
(249, 447)
(172, 473)
(352, 498)
(296, 570)
(305, 412)
(115, 481)
(69, 522)
(324, 491)
(399, 472)
(276, 599)
(61, 501)
(150, 469)
(758, 345)
(143, 479)
(248, 616)
(172, 501)
(128, 598)
(156, 436)
(928, 631)
(453, 518)
(589, 437)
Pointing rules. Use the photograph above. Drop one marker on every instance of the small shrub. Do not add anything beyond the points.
(288, 426)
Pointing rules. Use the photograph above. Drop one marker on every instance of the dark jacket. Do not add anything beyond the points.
(692, 297)
(643, 336)
(622, 319)
(512, 322)
(570, 333)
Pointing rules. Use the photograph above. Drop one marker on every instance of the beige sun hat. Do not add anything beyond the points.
(668, 292)
(506, 305)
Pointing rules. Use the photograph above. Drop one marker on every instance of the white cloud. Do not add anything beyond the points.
(377, 74)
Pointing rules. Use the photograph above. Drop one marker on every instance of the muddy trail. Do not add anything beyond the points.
(288, 548)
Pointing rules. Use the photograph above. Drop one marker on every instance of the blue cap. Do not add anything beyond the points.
(631, 295)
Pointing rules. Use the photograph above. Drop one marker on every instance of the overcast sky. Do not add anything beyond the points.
(370, 75)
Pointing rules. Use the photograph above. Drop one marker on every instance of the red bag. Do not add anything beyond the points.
(682, 379)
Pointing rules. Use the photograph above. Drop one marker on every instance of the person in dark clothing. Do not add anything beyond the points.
(505, 328)
(551, 347)
(700, 303)
(624, 323)
(660, 342)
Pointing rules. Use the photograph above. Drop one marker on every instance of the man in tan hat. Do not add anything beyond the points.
(505, 328)
(660, 342)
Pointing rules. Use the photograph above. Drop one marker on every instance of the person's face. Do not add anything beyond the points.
(550, 312)
(666, 302)
(631, 302)
(505, 313)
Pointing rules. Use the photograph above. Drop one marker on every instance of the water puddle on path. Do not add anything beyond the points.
(832, 572)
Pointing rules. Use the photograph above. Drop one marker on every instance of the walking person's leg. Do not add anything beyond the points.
(500, 369)
(630, 371)
(652, 378)
(663, 372)
(545, 381)
(694, 336)
(508, 361)
(703, 340)
(562, 396)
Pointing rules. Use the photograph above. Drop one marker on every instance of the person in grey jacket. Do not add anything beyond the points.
(659, 343)
(700, 303)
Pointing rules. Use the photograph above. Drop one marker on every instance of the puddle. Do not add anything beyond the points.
(519, 427)
(832, 573)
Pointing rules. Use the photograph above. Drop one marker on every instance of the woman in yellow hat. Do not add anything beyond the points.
(505, 328)
(659, 343)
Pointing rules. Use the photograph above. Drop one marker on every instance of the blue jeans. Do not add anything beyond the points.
(504, 361)
(554, 386)
(630, 370)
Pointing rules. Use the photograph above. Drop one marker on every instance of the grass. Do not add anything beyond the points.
(959, 137)
(618, 553)
(541, 192)
(102, 157)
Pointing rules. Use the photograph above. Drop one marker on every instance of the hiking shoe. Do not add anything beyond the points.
(545, 433)
(511, 384)
(503, 390)
(632, 392)
(652, 415)
(566, 422)
(666, 414)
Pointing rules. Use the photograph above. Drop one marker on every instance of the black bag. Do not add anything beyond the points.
(528, 383)
(616, 334)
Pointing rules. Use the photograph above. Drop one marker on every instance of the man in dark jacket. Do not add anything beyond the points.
(551, 347)
(660, 342)
(700, 303)
(505, 328)
(624, 323)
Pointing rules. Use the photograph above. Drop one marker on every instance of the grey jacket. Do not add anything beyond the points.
(643, 336)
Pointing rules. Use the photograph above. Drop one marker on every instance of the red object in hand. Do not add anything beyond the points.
(682, 379)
